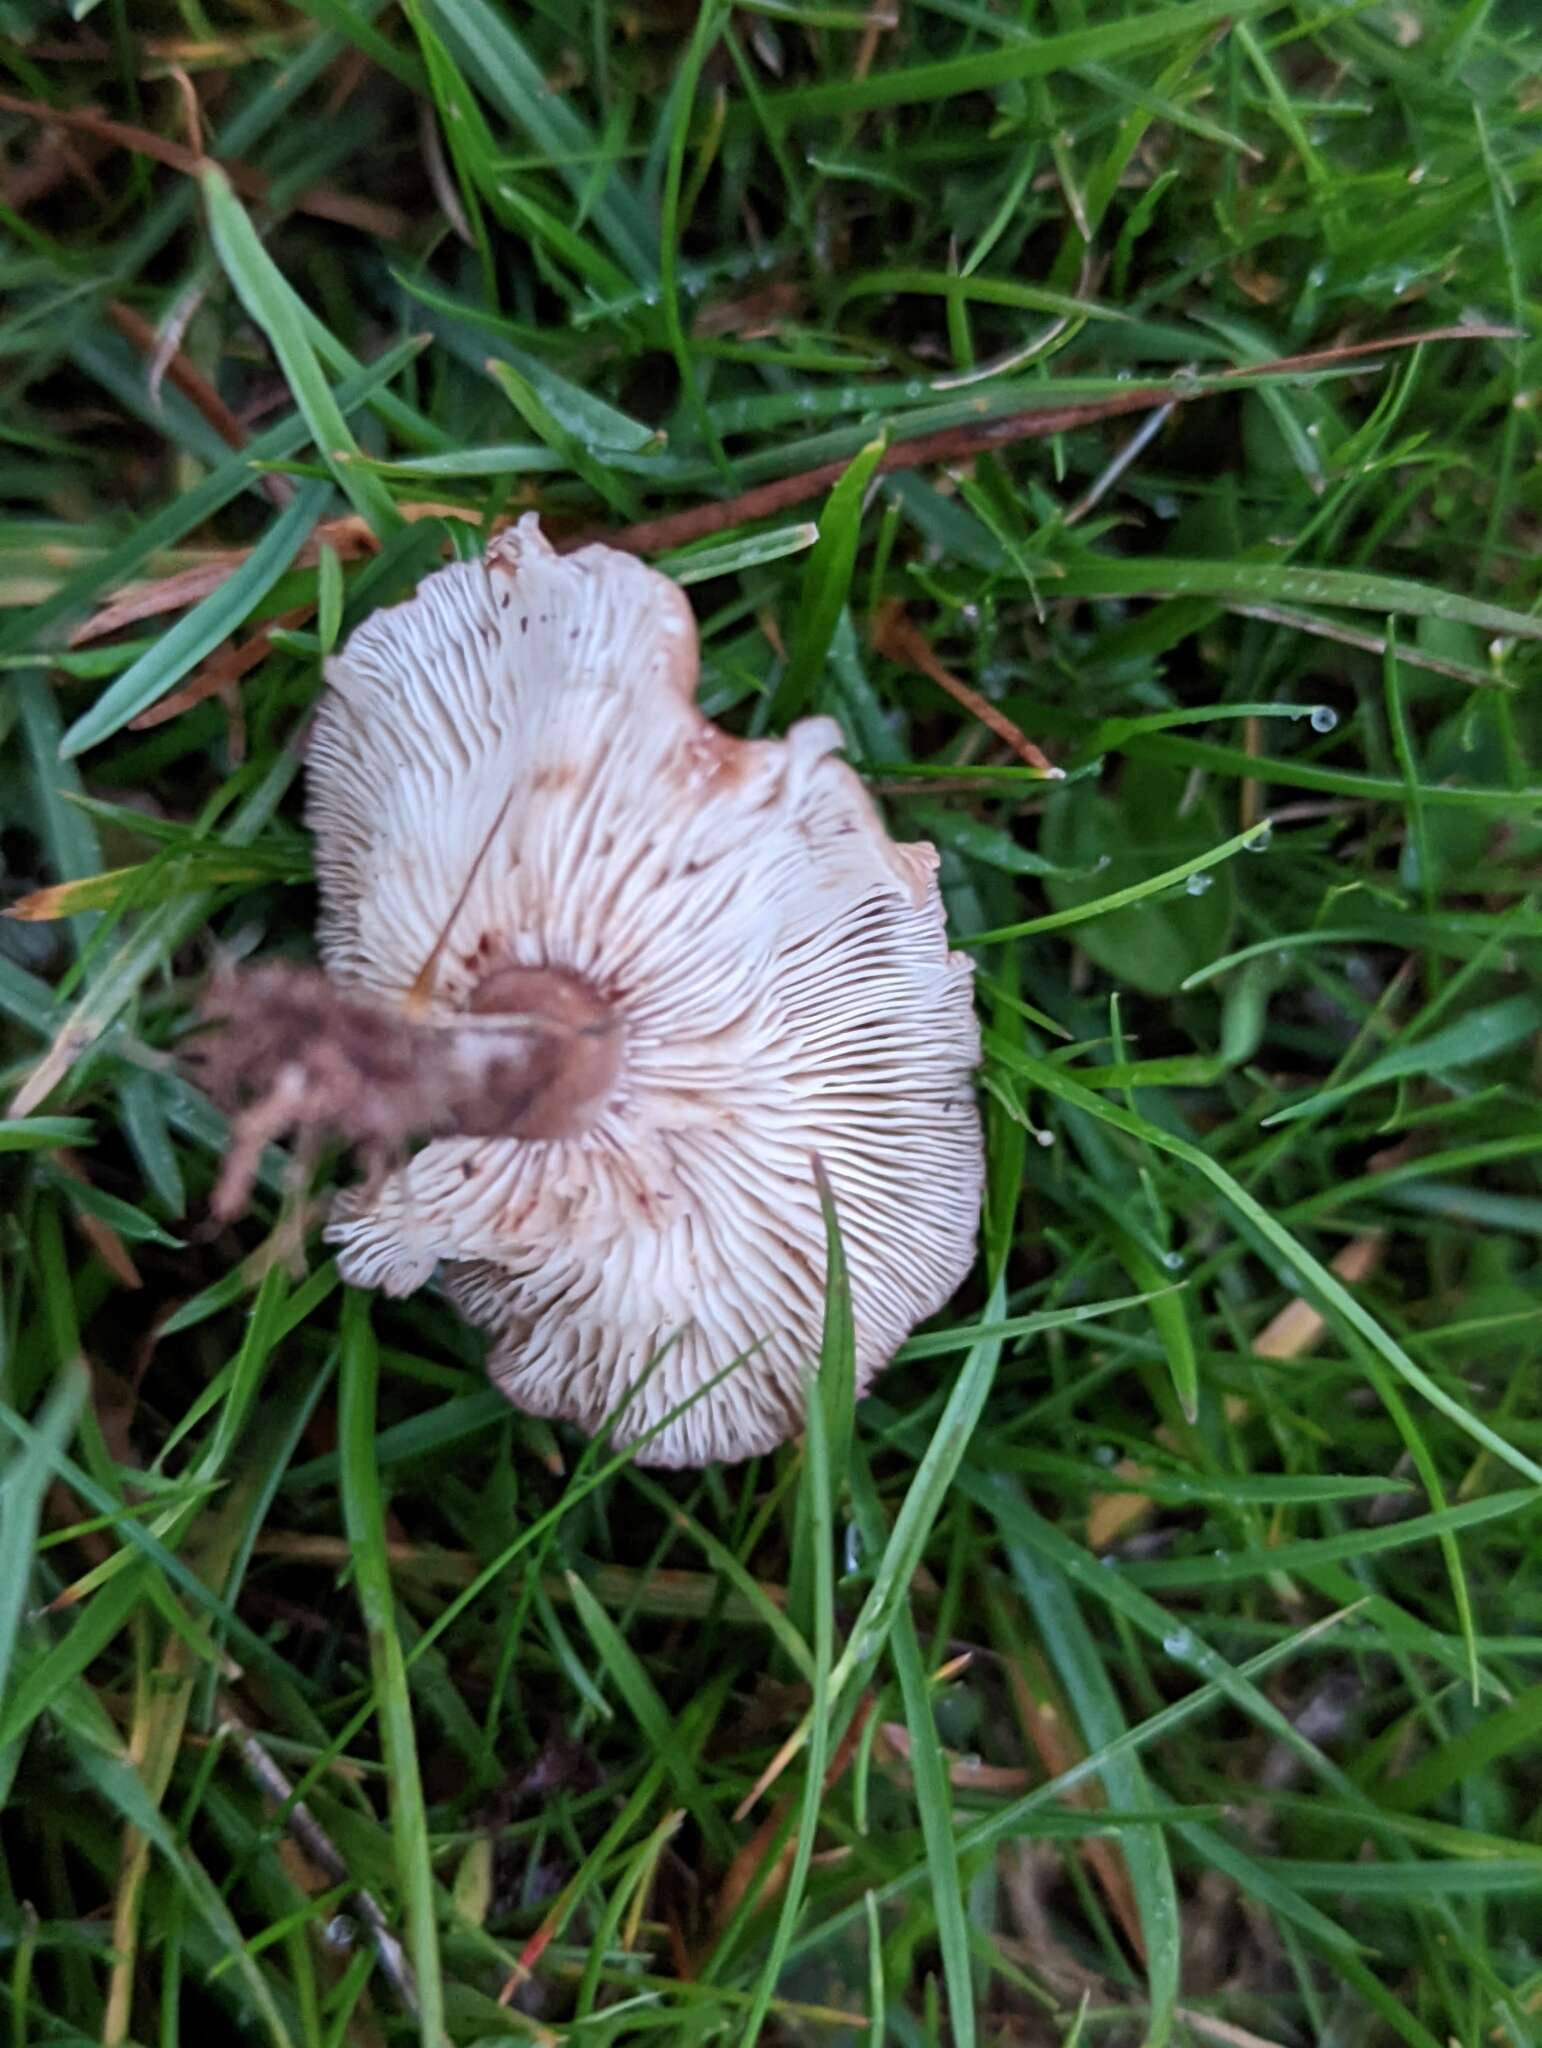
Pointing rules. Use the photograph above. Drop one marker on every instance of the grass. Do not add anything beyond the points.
(1155, 1656)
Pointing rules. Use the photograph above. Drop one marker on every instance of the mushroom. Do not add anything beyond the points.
(524, 826)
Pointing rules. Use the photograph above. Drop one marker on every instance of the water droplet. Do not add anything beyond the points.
(1261, 840)
(851, 1550)
(914, 388)
(1179, 1644)
(1173, 1261)
(341, 1931)
(1324, 718)
(1105, 1455)
(1044, 1138)
(1196, 885)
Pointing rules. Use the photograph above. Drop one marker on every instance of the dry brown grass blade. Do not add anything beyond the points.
(161, 1705)
(222, 671)
(103, 1239)
(348, 536)
(895, 637)
(1054, 1741)
(1299, 1327)
(342, 208)
(965, 1773)
(1110, 1514)
(175, 367)
(136, 602)
(741, 1871)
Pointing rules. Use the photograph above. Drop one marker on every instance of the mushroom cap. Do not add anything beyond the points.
(509, 772)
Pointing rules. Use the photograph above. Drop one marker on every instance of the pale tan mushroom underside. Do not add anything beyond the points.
(515, 755)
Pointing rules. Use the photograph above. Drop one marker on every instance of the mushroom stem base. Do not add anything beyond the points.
(567, 1035)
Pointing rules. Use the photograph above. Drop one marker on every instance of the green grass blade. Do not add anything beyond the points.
(25, 1477)
(201, 630)
(364, 1514)
(630, 1677)
(1006, 63)
(826, 585)
(817, 1484)
(272, 303)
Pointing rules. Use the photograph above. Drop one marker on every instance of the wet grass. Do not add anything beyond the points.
(1157, 1657)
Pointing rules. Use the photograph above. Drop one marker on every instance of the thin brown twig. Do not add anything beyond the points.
(956, 444)
(318, 1845)
(350, 537)
(389, 223)
(947, 444)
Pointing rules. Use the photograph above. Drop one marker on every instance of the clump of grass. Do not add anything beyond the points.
(1154, 1658)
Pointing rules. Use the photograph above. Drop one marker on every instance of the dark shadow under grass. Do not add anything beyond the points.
(1157, 1656)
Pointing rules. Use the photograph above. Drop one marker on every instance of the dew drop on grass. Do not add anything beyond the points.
(1173, 1261)
(1179, 1644)
(1324, 718)
(1261, 841)
(1196, 885)
(851, 1551)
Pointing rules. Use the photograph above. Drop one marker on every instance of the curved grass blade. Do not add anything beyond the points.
(364, 1516)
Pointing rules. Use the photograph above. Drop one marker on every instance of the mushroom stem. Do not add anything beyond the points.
(574, 1041)
(298, 1055)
